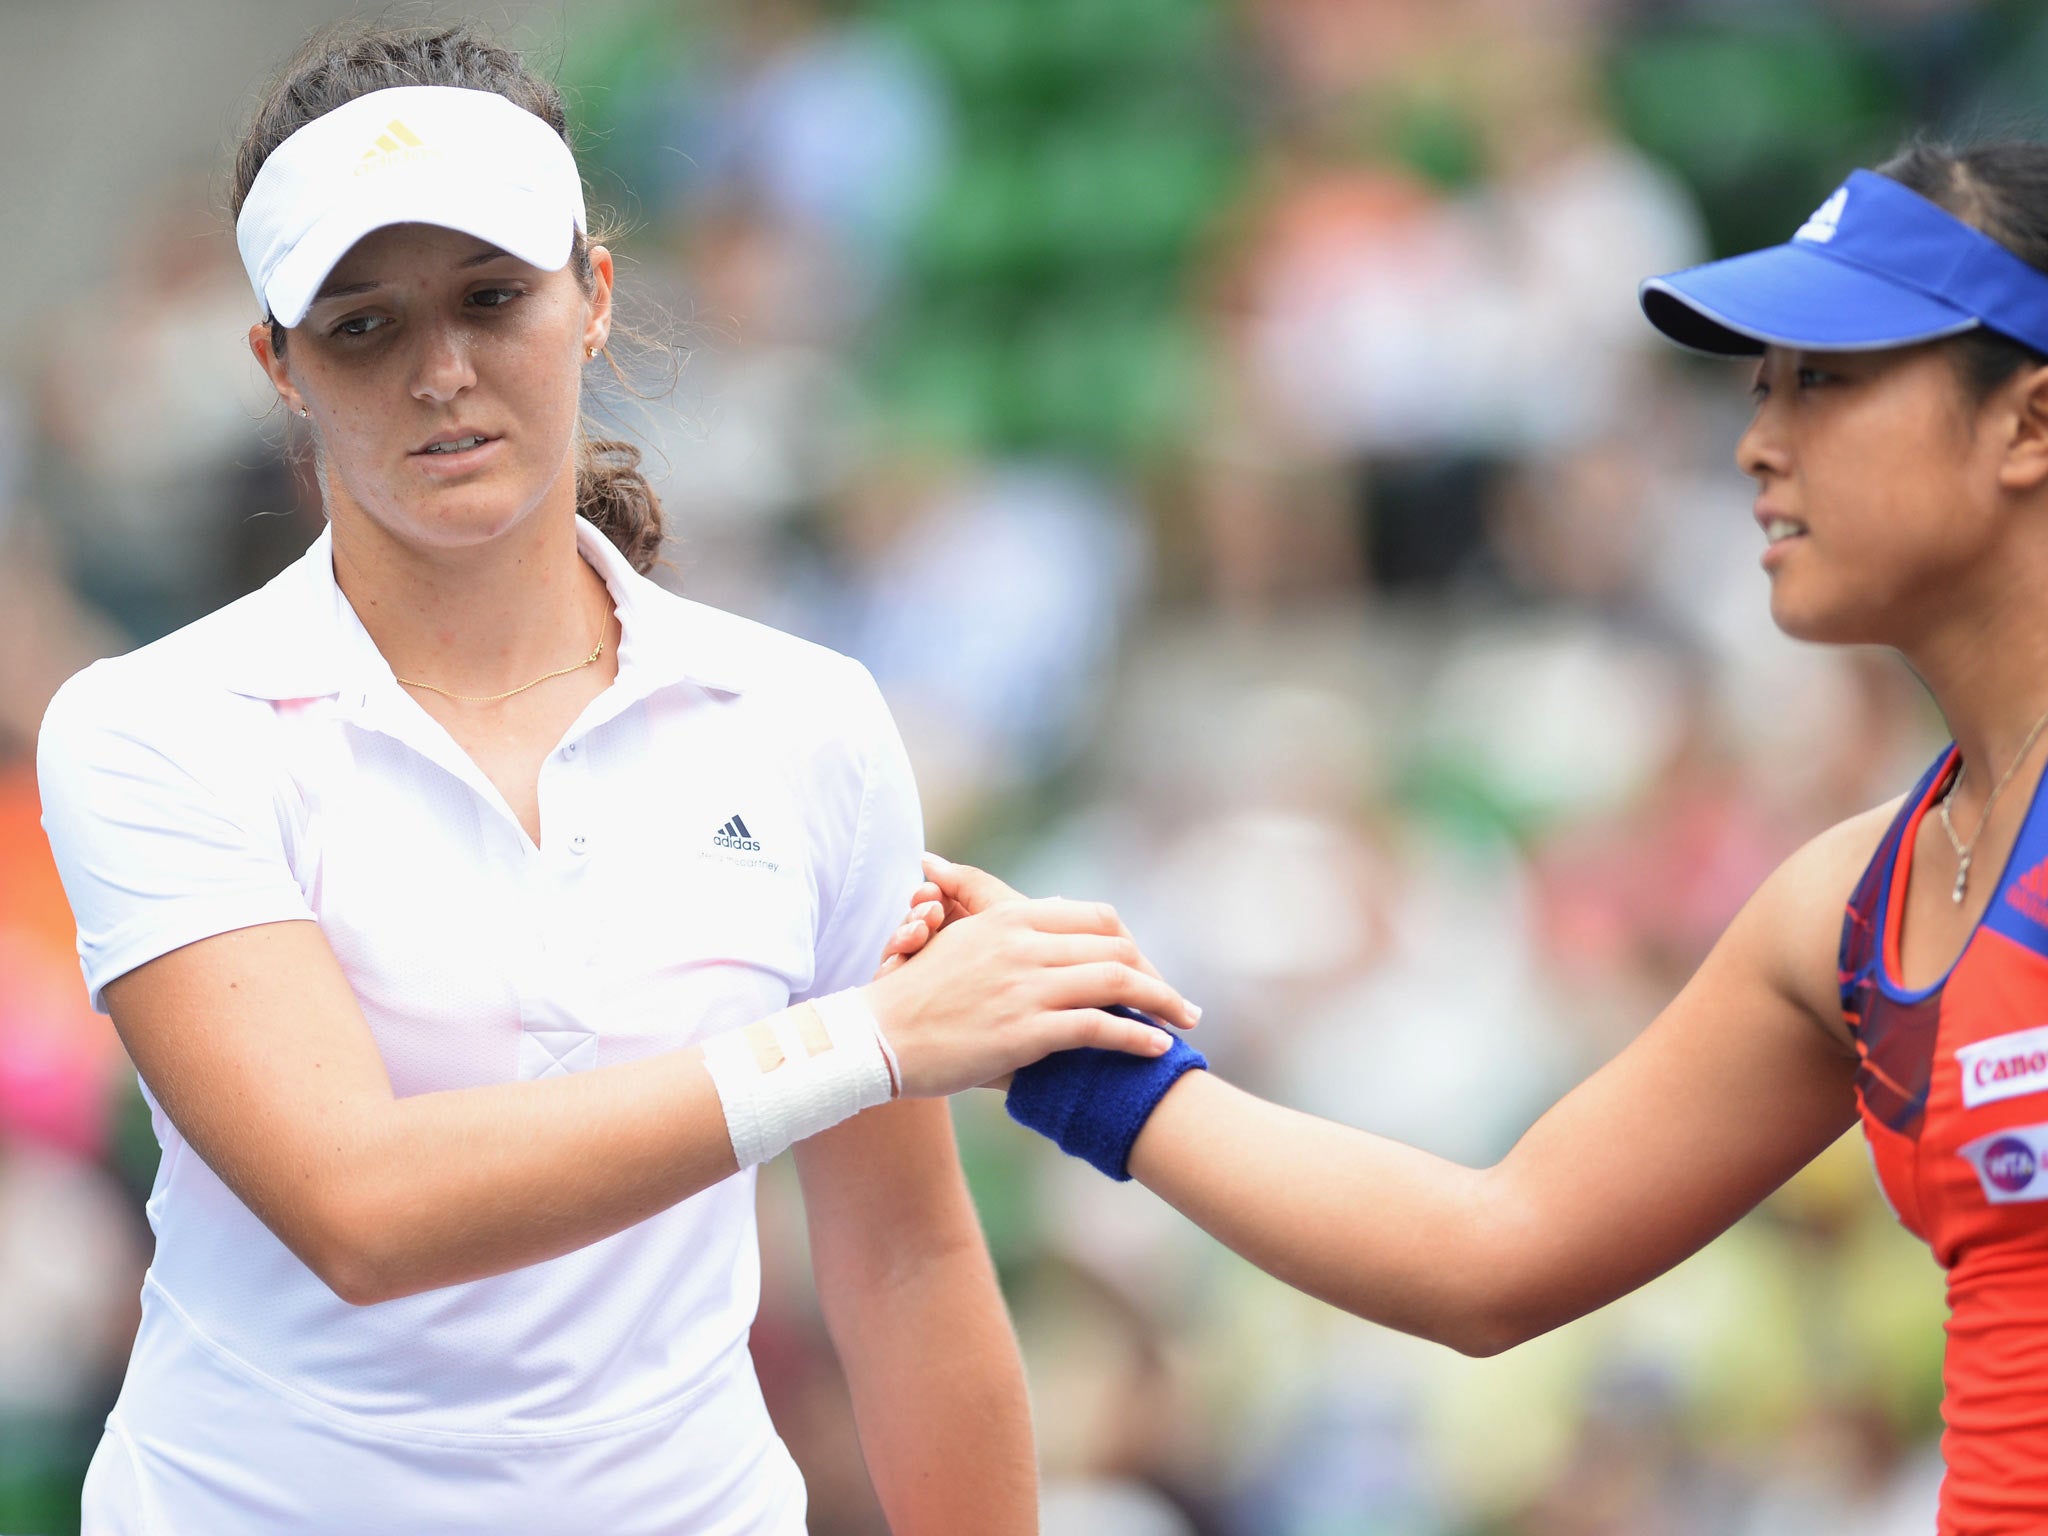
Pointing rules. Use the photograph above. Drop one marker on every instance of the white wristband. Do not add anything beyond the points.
(787, 1077)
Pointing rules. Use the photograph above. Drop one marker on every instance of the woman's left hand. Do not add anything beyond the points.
(932, 907)
(928, 914)
(926, 917)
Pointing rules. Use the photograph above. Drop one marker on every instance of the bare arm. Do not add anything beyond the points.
(1745, 1078)
(253, 1044)
(1733, 1088)
(256, 1049)
(911, 1300)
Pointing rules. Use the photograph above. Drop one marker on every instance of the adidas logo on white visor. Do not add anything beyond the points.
(395, 142)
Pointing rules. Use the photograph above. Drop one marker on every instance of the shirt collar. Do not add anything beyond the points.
(308, 643)
(663, 638)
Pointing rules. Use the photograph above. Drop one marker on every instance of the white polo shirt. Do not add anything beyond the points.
(731, 826)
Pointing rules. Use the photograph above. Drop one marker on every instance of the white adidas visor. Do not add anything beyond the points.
(414, 154)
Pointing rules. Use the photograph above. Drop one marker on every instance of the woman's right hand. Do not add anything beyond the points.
(1002, 988)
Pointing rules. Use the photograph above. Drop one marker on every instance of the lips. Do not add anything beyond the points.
(456, 455)
(1777, 526)
(456, 440)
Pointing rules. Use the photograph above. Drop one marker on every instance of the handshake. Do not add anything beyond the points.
(1051, 999)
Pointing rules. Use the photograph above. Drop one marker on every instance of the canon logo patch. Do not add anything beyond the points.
(2003, 1067)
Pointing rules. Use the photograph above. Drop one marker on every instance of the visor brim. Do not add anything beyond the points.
(521, 221)
(1793, 295)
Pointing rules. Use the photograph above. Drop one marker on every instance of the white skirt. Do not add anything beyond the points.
(200, 1445)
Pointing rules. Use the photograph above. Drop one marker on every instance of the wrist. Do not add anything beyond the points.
(884, 1006)
(801, 1071)
(887, 1001)
(1155, 1147)
(1094, 1104)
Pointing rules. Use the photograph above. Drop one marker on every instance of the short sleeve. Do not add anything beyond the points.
(163, 827)
(884, 864)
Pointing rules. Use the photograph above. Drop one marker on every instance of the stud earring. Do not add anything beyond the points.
(305, 413)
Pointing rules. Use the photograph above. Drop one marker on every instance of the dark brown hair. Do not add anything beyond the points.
(337, 66)
(2000, 189)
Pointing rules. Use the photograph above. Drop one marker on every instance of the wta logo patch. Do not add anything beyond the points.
(2008, 1164)
(2003, 1067)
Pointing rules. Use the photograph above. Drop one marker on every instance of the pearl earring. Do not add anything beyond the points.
(305, 413)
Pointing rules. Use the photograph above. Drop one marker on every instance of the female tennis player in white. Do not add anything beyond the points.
(478, 914)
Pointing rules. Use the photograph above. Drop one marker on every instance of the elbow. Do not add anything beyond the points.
(351, 1253)
(1471, 1324)
(1477, 1321)
(1484, 1336)
(356, 1290)
(356, 1280)
(1501, 1307)
(1502, 1327)
(352, 1273)
(1478, 1324)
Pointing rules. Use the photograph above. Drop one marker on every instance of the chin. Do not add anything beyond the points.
(463, 518)
(1821, 618)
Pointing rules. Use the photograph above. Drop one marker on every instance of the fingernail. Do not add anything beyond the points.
(1161, 1046)
(942, 863)
(1195, 1012)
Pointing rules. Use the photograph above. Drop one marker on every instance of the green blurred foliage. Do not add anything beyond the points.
(1759, 113)
(1045, 306)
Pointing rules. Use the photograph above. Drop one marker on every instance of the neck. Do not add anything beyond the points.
(1985, 660)
(478, 619)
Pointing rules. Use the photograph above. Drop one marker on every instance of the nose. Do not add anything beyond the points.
(443, 369)
(1761, 451)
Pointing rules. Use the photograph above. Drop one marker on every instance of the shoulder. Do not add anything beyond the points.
(779, 675)
(1823, 873)
(176, 695)
(1792, 927)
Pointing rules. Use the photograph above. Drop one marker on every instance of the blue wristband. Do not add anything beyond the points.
(1093, 1103)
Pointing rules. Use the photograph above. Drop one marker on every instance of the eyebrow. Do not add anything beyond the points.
(488, 254)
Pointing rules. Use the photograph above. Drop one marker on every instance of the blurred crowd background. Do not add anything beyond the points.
(1226, 430)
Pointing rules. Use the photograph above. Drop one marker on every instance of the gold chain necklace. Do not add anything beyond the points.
(492, 698)
(1964, 851)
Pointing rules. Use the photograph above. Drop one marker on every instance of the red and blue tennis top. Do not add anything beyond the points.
(1952, 1089)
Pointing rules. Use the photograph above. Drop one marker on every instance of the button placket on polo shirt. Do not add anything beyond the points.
(547, 960)
(556, 1037)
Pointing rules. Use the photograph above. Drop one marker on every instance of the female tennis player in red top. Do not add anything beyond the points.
(1894, 969)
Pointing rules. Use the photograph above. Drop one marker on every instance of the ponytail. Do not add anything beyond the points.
(613, 493)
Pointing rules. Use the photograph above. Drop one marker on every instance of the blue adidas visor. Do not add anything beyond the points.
(1876, 266)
